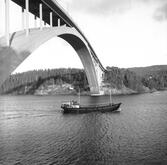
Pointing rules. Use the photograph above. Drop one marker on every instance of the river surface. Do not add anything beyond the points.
(34, 131)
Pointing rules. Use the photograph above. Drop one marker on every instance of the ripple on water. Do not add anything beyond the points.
(34, 131)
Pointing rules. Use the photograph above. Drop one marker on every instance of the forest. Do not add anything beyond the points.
(32, 80)
(116, 78)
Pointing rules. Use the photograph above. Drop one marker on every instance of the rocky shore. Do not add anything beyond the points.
(68, 89)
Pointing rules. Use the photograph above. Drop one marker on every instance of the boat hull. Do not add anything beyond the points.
(88, 109)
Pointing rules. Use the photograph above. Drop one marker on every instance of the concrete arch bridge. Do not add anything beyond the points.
(16, 47)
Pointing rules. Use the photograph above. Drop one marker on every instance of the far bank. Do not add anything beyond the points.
(71, 81)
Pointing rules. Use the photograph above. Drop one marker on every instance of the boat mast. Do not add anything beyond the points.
(25, 89)
(110, 97)
(79, 97)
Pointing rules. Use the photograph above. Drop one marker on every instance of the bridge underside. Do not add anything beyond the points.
(21, 47)
(58, 13)
(47, 7)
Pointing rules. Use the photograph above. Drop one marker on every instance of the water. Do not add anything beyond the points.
(33, 130)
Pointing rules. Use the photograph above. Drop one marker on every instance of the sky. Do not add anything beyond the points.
(123, 33)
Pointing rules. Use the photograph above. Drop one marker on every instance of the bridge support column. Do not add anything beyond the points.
(40, 15)
(35, 21)
(23, 20)
(58, 22)
(7, 20)
(27, 17)
(51, 19)
(45, 24)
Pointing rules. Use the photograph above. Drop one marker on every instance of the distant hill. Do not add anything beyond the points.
(143, 71)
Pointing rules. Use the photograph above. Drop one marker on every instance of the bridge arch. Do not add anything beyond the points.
(21, 47)
(86, 59)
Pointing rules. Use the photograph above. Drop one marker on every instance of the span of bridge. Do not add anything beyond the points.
(16, 47)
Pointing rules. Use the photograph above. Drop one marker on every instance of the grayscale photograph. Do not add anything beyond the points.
(83, 82)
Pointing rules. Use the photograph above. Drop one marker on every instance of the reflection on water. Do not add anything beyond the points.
(33, 130)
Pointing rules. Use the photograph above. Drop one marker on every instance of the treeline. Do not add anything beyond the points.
(29, 82)
(120, 78)
(153, 80)
(156, 80)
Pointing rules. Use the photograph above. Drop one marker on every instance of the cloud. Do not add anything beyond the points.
(103, 7)
(99, 6)
(161, 13)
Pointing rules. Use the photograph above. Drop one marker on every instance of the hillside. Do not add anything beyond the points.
(69, 81)
(50, 81)
(142, 71)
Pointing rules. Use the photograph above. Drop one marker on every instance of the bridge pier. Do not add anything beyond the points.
(45, 24)
(40, 15)
(35, 21)
(23, 18)
(7, 21)
(27, 17)
(58, 22)
(51, 19)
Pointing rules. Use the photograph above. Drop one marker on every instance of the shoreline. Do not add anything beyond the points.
(86, 94)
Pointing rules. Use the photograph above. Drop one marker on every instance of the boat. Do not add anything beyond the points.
(75, 107)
